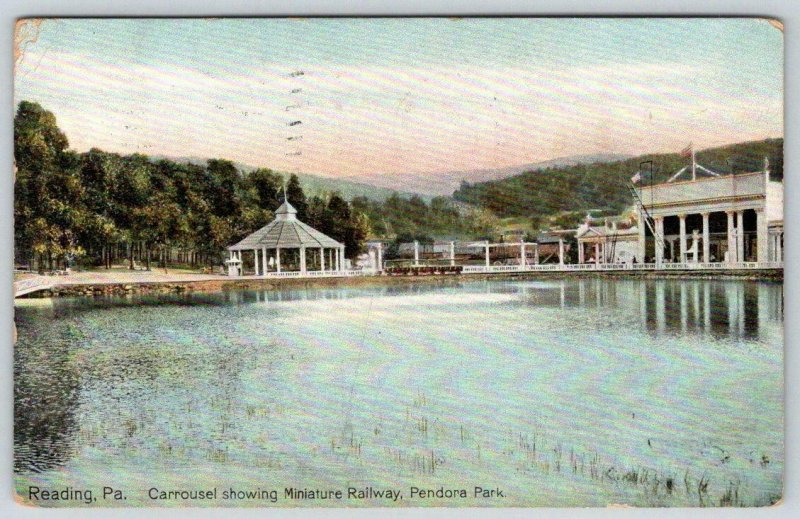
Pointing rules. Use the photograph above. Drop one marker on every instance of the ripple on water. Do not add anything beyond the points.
(577, 392)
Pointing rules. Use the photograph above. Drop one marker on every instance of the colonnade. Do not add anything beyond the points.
(735, 238)
(263, 262)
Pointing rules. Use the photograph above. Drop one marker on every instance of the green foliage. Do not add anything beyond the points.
(47, 193)
(266, 186)
(412, 216)
(69, 205)
(296, 197)
(340, 220)
(603, 186)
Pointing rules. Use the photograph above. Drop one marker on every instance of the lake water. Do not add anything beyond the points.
(560, 393)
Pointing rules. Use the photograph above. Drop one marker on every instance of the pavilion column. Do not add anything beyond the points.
(762, 235)
(342, 261)
(731, 238)
(682, 238)
(416, 253)
(739, 235)
(580, 252)
(779, 246)
(706, 239)
(659, 240)
(561, 251)
(522, 254)
(255, 260)
(337, 255)
(596, 253)
(660, 307)
(642, 236)
(773, 247)
(380, 257)
(322, 259)
(452, 253)
(487, 253)
(278, 260)
(302, 260)
(536, 253)
(264, 265)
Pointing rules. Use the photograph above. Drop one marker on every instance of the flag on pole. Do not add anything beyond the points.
(636, 178)
(687, 151)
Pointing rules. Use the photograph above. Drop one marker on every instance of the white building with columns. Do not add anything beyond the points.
(724, 218)
(287, 245)
(614, 240)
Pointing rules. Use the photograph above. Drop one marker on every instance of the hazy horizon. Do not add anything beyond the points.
(404, 97)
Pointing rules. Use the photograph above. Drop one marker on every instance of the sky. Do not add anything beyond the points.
(397, 96)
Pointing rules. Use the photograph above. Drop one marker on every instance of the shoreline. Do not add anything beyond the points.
(224, 284)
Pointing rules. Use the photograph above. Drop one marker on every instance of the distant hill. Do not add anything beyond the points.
(484, 175)
(316, 184)
(540, 194)
(445, 183)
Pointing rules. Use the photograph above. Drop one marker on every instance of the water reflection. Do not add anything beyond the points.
(46, 393)
(720, 308)
(245, 378)
(330, 294)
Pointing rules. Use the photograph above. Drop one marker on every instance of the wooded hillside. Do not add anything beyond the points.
(603, 186)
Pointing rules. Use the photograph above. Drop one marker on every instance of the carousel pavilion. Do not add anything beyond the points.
(287, 244)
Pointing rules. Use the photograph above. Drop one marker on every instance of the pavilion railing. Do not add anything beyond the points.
(548, 267)
(569, 267)
(313, 274)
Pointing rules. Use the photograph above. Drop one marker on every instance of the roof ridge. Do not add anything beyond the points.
(297, 232)
(280, 233)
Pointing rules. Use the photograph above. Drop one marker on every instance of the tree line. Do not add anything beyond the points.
(100, 208)
(409, 218)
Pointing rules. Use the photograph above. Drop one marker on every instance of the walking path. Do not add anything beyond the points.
(34, 283)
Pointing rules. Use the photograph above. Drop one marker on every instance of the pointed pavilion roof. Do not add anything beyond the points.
(286, 232)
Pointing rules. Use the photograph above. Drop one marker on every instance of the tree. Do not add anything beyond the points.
(296, 197)
(222, 187)
(315, 213)
(266, 186)
(47, 192)
(343, 224)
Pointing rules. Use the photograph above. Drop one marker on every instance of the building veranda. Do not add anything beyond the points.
(719, 219)
(286, 245)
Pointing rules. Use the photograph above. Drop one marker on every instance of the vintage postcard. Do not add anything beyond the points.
(398, 262)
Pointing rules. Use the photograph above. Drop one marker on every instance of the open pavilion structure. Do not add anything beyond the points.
(287, 245)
